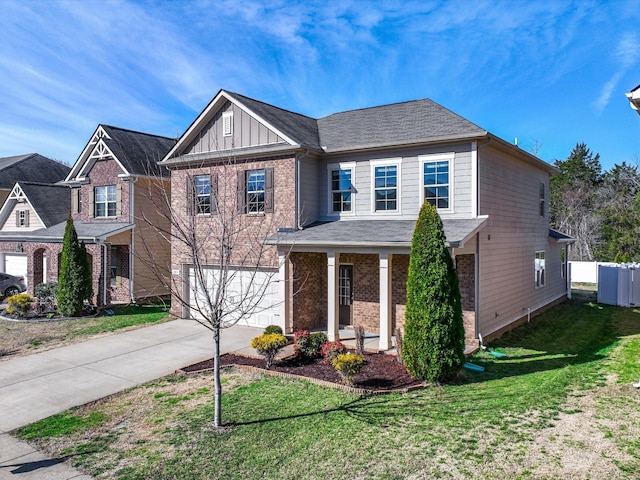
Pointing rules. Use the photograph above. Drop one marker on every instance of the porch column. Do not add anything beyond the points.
(385, 301)
(332, 302)
(283, 284)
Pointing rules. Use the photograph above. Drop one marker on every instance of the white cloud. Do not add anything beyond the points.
(626, 55)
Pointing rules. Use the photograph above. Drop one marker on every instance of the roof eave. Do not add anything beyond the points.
(414, 143)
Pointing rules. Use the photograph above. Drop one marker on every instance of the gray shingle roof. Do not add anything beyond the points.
(301, 129)
(138, 152)
(373, 233)
(52, 203)
(31, 167)
(88, 232)
(406, 123)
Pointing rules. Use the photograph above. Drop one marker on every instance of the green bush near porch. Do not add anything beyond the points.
(433, 347)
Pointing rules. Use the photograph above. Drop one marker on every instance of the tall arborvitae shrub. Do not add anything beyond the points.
(74, 281)
(433, 347)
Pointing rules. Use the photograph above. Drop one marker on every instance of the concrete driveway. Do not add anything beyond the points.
(40, 385)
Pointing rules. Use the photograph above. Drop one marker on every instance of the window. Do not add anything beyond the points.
(202, 185)
(386, 186)
(542, 199)
(563, 263)
(255, 191)
(105, 201)
(435, 181)
(539, 269)
(227, 124)
(22, 218)
(341, 190)
(78, 200)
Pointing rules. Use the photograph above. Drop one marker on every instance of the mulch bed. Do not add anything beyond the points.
(382, 373)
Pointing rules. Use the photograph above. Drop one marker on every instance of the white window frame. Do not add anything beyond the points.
(351, 166)
(260, 205)
(105, 202)
(387, 162)
(438, 157)
(539, 267)
(227, 124)
(198, 206)
(22, 218)
(542, 194)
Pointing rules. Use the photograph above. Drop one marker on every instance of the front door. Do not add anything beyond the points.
(345, 294)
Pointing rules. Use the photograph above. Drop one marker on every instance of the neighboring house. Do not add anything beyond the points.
(110, 194)
(31, 167)
(342, 194)
(30, 207)
(634, 98)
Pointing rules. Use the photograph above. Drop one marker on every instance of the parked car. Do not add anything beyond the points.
(11, 285)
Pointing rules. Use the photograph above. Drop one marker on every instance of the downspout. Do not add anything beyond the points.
(132, 181)
(477, 284)
(296, 190)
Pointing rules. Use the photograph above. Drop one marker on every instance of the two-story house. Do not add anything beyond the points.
(341, 195)
(32, 168)
(110, 193)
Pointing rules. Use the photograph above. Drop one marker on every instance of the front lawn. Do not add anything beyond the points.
(560, 406)
(25, 338)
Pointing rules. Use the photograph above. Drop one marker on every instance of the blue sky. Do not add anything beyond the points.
(549, 73)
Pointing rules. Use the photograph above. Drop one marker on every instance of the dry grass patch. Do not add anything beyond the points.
(18, 339)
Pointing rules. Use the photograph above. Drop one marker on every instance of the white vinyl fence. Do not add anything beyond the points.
(585, 272)
(619, 284)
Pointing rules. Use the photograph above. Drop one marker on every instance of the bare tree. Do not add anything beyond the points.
(216, 227)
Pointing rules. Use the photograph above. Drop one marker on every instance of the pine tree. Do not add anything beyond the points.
(433, 347)
(74, 281)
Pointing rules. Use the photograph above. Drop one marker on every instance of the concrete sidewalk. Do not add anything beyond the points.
(40, 385)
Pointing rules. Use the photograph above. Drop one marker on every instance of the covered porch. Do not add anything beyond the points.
(338, 275)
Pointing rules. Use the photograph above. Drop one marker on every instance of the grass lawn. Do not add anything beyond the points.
(25, 338)
(560, 406)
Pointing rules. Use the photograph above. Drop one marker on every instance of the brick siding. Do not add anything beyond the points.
(466, 269)
(309, 299)
(251, 229)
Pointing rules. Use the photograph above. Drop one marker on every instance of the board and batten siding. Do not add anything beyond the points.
(509, 194)
(410, 182)
(246, 132)
(34, 222)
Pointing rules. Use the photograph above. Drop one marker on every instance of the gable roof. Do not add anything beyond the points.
(52, 203)
(415, 122)
(137, 153)
(406, 123)
(301, 129)
(31, 167)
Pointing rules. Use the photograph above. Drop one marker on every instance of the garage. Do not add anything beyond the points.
(243, 285)
(15, 264)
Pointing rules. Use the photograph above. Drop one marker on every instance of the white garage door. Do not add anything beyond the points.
(16, 264)
(254, 290)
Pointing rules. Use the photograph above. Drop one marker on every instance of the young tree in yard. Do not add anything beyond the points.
(433, 347)
(74, 281)
(216, 219)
